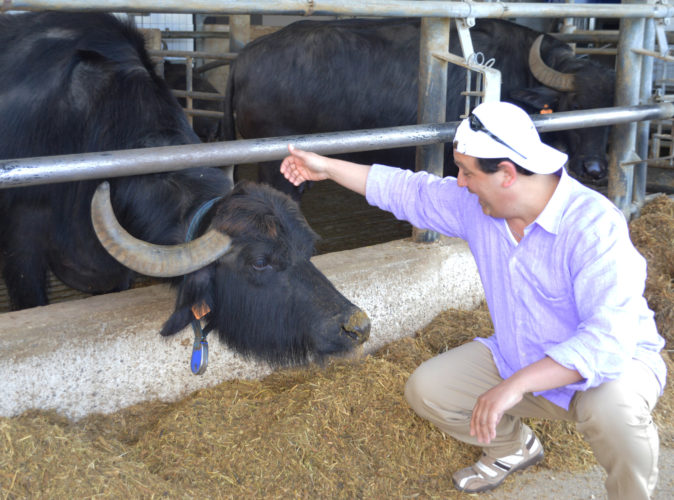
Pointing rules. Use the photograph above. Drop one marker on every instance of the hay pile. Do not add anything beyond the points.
(653, 235)
(343, 431)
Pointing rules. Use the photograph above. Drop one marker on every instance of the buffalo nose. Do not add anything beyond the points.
(358, 326)
(594, 169)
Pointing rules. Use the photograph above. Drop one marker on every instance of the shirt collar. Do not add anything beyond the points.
(551, 216)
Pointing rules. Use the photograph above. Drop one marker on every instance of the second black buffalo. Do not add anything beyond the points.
(326, 76)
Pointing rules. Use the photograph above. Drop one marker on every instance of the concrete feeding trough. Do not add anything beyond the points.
(103, 353)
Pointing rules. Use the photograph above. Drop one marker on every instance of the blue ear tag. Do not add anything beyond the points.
(199, 360)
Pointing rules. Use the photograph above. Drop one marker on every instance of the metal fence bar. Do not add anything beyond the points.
(432, 99)
(196, 34)
(65, 168)
(227, 56)
(643, 128)
(597, 36)
(206, 96)
(623, 136)
(388, 8)
(203, 112)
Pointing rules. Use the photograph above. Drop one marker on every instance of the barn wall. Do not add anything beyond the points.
(100, 354)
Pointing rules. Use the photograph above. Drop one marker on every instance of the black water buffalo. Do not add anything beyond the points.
(321, 76)
(72, 83)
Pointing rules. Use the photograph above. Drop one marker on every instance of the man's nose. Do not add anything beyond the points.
(460, 179)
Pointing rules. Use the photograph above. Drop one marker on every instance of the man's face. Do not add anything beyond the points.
(487, 187)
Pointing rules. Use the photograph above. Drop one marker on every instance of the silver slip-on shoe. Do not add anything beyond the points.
(489, 472)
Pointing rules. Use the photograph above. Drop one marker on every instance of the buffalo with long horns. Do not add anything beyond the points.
(326, 76)
(250, 271)
(85, 83)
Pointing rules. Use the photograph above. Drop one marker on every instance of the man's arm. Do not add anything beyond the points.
(542, 375)
(303, 166)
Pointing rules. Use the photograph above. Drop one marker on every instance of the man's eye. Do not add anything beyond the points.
(261, 264)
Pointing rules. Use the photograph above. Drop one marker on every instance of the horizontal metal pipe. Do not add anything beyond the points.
(594, 36)
(65, 168)
(597, 36)
(389, 8)
(651, 53)
(206, 96)
(662, 163)
(169, 34)
(602, 116)
(225, 56)
(203, 112)
(666, 162)
(596, 52)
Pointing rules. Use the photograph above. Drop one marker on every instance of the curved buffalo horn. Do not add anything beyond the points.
(564, 82)
(162, 261)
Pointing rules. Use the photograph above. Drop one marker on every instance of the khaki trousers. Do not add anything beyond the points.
(615, 418)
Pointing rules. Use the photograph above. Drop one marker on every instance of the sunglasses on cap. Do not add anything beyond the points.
(477, 126)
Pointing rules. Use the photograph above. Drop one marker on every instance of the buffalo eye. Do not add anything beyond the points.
(261, 264)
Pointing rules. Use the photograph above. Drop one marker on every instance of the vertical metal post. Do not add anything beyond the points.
(623, 136)
(239, 32)
(432, 104)
(643, 128)
(189, 61)
(198, 20)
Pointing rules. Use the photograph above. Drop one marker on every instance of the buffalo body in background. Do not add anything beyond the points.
(325, 76)
(83, 82)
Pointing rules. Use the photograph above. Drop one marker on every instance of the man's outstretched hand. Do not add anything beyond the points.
(303, 166)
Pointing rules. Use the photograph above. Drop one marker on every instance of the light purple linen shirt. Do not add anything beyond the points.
(572, 289)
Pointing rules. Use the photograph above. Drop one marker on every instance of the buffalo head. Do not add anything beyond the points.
(575, 84)
(251, 267)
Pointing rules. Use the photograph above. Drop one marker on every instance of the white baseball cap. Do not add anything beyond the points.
(503, 130)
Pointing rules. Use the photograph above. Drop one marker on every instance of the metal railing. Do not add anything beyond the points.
(623, 189)
(66, 168)
(384, 8)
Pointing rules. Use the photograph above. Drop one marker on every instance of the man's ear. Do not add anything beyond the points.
(509, 172)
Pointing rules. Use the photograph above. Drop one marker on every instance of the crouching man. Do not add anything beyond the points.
(574, 337)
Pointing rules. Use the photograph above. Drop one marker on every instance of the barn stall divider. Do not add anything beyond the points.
(103, 353)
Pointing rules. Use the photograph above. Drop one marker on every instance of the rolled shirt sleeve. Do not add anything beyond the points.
(422, 199)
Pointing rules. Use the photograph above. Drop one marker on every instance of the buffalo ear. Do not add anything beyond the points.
(194, 290)
(180, 318)
(536, 97)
